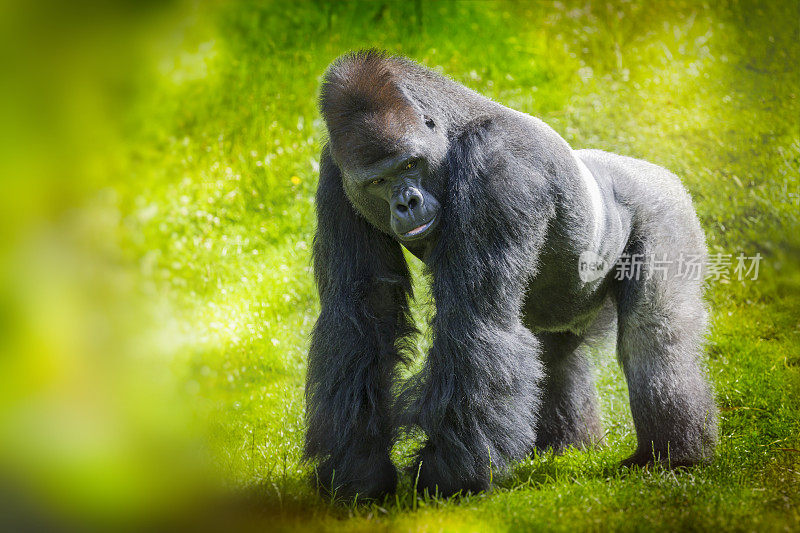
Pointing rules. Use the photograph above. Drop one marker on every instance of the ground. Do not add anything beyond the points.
(199, 223)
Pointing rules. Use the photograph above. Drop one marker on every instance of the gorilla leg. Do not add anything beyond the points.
(661, 315)
(569, 415)
(660, 336)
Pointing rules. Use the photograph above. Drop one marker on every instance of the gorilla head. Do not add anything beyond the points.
(389, 153)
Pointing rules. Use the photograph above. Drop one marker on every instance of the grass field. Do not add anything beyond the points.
(157, 288)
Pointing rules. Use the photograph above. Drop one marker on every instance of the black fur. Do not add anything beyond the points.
(500, 209)
(478, 395)
(359, 338)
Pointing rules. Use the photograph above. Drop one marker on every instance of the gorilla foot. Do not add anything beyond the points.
(440, 477)
(361, 480)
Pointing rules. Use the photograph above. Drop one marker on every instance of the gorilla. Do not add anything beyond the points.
(505, 216)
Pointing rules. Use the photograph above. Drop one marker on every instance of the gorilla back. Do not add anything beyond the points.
(520, 235)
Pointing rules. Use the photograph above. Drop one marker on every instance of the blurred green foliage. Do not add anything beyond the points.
(159, 162)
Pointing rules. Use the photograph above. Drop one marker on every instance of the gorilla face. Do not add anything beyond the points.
(392, 193)
(398, 192)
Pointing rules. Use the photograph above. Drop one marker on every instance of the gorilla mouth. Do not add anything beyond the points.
(419, 230)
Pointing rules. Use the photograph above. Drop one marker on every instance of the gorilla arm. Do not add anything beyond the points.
(364, 285)
(478, 394)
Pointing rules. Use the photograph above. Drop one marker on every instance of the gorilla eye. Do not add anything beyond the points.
(429, 122)
(411, 164)
(377, 181)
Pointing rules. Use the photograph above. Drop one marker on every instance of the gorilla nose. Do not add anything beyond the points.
(404, 203)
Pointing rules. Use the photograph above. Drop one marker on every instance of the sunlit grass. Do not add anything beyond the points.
(158, 296)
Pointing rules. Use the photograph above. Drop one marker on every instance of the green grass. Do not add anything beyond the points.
(206, 213)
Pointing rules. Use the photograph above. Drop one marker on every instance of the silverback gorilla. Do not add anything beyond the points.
(502, 212)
